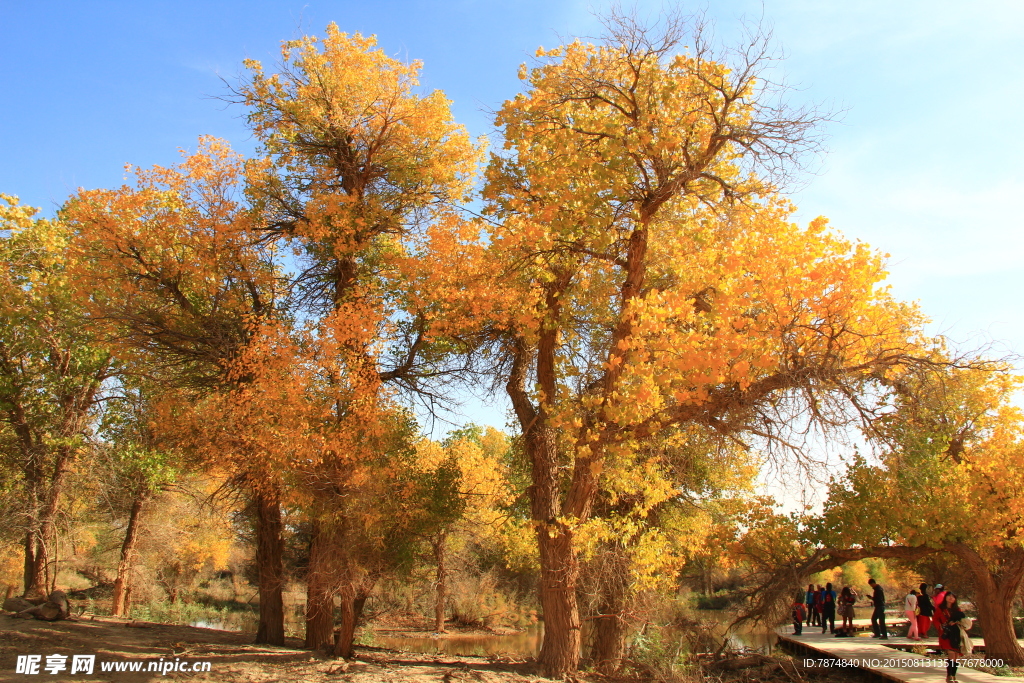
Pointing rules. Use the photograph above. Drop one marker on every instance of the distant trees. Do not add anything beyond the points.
(135, 468)
(462, 483)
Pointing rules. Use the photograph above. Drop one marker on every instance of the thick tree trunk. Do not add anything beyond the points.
(345, 636)
(559, 566)
(560, 650)
(994, 613)
(270, 566)
(994, 596)
(608, 647)
(122, 585)
(610, 631)
(441, 586)
(319, 592)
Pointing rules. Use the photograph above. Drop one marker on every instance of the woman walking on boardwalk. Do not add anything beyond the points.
(952, 624)
(910, 610)
(846, 600)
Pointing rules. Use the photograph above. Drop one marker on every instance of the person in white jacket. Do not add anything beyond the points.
(910, 609)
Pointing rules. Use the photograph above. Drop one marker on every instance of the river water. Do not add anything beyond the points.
(527, 643)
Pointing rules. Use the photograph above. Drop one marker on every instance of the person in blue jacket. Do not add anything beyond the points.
(828, 609)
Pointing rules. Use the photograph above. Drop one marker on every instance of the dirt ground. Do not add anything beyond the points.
(232, 657)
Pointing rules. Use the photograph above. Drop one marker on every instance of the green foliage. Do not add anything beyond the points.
(662, 651)
(437, 496)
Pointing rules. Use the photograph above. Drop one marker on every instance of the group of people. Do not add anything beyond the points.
(942, 610)
(819, 607)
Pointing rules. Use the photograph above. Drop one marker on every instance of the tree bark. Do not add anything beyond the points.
(560, 570)
(41, 529)
(319, 593)
(441, 586)
(344, 638)
(359, 603)
(560, 648)
(996, 617)
(609, 649)
(122, 585)
(30, 560)
(270, 565)
(559, 574)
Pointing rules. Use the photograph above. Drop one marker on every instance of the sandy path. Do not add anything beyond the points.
(231, 656)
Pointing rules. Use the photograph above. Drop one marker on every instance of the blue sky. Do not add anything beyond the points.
(925, 163)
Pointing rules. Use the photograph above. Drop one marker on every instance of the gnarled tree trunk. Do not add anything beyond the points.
(269, 564)
(319, 591)
(122, 585)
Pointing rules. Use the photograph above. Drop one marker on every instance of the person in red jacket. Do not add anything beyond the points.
(799, 614)
(926, 609)
(950, 642)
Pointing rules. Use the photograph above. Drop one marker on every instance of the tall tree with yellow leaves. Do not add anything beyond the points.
(651, 277)
(360, 165)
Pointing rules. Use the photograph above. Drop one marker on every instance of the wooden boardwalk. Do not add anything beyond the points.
(882, 660)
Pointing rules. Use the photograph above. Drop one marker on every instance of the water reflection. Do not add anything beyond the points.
(525, 643)
(759, 639)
